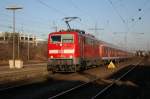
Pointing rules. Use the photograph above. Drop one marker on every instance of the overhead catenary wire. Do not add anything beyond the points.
(139, 17)
(52, 8)
(122, 19)
(135, 19)
(18, 29)
(26, 29)
(32, 31)
(62, 13)
(26, 26)
(27, 20)
(83, 12)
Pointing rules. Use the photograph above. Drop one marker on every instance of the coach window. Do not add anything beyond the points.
(30, 39)
(105, 49)
(22, 38)
(56, 38)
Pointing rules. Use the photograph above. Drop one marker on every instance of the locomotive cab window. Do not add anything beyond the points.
(67, 38)
(56, 38)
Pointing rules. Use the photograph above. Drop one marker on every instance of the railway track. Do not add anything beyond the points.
(83, 90)
(92, 89)
(35, 90)
(22, 84)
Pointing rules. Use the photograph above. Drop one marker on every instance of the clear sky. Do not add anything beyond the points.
(122, 22)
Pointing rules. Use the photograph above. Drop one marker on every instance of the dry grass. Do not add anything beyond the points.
(37, 52)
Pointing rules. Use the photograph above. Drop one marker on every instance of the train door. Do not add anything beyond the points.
(82, 47)
(82, 41)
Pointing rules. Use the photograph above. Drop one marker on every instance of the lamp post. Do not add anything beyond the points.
(139, 38)
(28, 47)
(13, 8)
(96, 29)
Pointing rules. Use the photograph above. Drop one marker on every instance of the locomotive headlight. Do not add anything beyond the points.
(51, 56)
(71, 56)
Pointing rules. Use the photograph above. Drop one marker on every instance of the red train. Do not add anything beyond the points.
(74, 50)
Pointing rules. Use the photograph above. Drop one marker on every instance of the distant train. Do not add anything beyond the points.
(74, 50)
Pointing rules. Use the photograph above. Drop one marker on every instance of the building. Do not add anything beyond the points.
(5, 37)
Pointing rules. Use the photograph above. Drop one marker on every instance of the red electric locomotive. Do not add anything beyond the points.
(71, 51)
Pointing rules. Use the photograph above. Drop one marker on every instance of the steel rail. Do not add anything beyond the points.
(110, 85)
(74, 88)
(102, 91)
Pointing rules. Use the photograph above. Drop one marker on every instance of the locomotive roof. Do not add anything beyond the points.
(78, 31)
(92, 37)
(73, 30)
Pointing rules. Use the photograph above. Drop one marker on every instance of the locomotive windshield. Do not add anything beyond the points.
(56, 38)
(67, 38)
(64, 38)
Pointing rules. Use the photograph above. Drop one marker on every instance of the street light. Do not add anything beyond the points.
(139, 38)
(13, 8)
